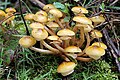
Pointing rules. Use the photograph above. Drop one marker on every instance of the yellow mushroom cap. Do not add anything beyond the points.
(39, 34)
(65, 32)
(41, 12)
(87, 28)
(8, 15)
(29, 16)
(66, 68)
(98, 19)
(54, 37)
(36, 25)
(40, 18)
(96, 34)
(10, 10)
(52, 24)
(48, 7)
(56, 13)
(72, 49)
(2, 13)
(82, 19)
(27, 41)
(100, 44)
(95, 52)
(79, 9)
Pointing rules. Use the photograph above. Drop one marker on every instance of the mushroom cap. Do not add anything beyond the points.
(27, 41)
(100, 44)
(95, 52)
(52, 24)
(65, 32)
(2, 13)
(36, 25)
(79, 9)
(29, 16)
(82, 19)
(56, 13)
(39, 34)
(72, 49)
(41, 12)
(98, 19)
(54, 37)
(87, 28)
(40, 18)
(96, 34)
(66, 68)
(10, 10)
(48, 7)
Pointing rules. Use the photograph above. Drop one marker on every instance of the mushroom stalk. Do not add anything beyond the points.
(81, 36)
(49, 31)
(49, 47)
(42, 50)
(84, 59)
(60, 48)
(57, 20)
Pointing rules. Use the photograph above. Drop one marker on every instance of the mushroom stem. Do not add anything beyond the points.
(81, 36)
(57, 20)
(88, 43)
(60, 48)
(49, 31)
(42, 50)
(49, 47)
(84, 59)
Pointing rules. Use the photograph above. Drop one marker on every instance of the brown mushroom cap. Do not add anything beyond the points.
(39, 34)
(56, 13)
(82, 20)
(96, 34)
(73, 49)
(65, 32)
(66, 68)
(27, 41)
(29, 16)
(79, 9)
(100, 44)
(48, 7)
(95, 52)
(36, 25)
(10, 10)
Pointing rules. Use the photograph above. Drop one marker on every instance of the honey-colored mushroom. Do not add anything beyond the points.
(100, 44)
(27, 41)
(10, 10)
(36, 25)
(95, 52)
(66, 68)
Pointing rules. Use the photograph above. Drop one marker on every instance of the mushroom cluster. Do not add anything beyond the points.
(58, 37)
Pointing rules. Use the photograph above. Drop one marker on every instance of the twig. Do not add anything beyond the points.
(20, 5)
(112, 47)
(38, 3)
(113, 3)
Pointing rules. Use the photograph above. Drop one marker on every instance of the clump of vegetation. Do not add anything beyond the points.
(76, 36)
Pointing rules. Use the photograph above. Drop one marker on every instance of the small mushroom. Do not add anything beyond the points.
(100, 44)
(29, 17)
(41, 12)
(53, 25)
(66, 68)
(36, 25)
(27, 41)
(79, 9)
(97, 19)
(96, 34)
(48, 7)
(2, 14)
(95, 52)
(10, 10)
